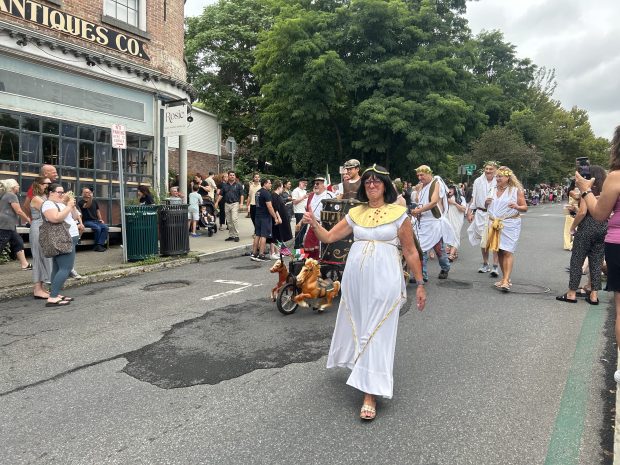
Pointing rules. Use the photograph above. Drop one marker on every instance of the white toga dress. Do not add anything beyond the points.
(509, 235)
(373, 291)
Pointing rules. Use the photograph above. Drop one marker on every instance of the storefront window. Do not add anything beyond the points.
(82, 155)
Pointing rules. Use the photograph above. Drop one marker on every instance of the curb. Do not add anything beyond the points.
(109, 275)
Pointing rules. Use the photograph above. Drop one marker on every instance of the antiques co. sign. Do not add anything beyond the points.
(72, 25)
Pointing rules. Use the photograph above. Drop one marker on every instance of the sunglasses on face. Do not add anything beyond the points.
(376, 182)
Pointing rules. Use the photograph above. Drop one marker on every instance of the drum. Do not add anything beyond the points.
(333, 211)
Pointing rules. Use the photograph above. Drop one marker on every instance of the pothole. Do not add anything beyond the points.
(455, 284)
(166, 285)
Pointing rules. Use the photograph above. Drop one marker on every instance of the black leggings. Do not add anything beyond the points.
(10, 236)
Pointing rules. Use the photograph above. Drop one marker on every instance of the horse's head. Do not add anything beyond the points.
(277, 266)
(310, 268)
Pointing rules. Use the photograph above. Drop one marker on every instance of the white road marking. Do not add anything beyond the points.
(243, 286)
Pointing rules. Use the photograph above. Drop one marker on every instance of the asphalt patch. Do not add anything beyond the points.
(231, 341)
(166, 285)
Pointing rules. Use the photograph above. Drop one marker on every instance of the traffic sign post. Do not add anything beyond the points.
(119, 142)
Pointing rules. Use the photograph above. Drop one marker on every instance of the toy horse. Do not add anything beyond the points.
(280, 268)
(313, 287)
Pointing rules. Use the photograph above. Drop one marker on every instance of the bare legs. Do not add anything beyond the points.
(485, 257)
(21, 256)
(39, 291)
(506, 259)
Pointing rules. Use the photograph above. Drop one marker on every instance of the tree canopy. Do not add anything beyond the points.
(395, 82)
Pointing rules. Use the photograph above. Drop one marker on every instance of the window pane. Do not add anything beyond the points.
(51, 127)
(132, 17)
(132, 4)
(146, 163)
(87, 133)
(103, 135)
(102, 191)
(103, 156)
(69, 153)
(51, 150)
(133, 140)
(9, 145)
(68, 180)
(110, 8)
(87, 155)
(9, 121)
(30, 148)
(69, 130)
(121, 13)
(31, 124)
(132, 161)
(146, 143)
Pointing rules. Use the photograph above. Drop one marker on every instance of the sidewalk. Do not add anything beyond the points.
(104, 266)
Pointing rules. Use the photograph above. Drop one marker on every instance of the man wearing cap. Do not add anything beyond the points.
(432, 229)
(350, 187)
(312, 246)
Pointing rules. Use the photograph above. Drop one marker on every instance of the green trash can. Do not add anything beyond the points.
(141, 231)
(173, 230)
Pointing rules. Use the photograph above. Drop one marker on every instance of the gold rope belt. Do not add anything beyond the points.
(495, 227)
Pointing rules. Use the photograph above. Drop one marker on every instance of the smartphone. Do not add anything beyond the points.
(583, 167)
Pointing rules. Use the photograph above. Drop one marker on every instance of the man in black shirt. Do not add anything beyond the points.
(232, 192)
(91, 218)
(262, 221)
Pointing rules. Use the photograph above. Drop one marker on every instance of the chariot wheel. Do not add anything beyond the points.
(284, 301)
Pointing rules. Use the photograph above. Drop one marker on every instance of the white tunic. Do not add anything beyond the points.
(373, 291)
(482, 190)
(499, 208)
(428, 229)
(455, 217)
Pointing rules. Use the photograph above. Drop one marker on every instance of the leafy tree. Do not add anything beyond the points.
(219, 47)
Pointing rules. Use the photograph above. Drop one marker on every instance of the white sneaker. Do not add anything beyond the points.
(274, 256)
(75, 274)
(495, 271)
(484, 269)
(617, 376)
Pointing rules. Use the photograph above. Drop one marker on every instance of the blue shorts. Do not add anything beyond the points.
(262, 226)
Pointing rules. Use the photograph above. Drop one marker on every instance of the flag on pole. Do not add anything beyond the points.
(328, 179)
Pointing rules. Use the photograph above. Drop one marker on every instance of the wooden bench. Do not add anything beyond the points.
(87, 235)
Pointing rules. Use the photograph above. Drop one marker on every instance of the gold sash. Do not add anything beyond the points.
(494, 231)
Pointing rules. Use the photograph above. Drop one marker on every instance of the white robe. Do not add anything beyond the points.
(509, 235)
(455, 217)
(482, 190)
(428, 229)
(373, 291)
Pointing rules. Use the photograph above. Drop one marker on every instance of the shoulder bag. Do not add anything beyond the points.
(54, 238)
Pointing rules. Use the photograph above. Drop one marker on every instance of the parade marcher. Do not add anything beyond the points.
(253, 188)
(505, 208)
(352, 185)
(432, 228)
(232, 193)
(373, 288)
(300, 199)
(263, 221)
(477, 215)
(312, 246)
(455, 216)
(601, 209)
(588, 241)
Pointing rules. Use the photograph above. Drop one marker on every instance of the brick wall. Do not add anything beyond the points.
(197, 162)
(165, 46)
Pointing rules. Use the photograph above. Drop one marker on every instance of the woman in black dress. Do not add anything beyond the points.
(281, 232)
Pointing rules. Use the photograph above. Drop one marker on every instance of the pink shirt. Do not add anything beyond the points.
(613, 226)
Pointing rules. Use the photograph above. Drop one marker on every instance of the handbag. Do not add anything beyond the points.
(54, 238)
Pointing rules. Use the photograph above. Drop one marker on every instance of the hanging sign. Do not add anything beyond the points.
(175, 120)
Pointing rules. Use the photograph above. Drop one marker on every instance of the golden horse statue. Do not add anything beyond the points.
(313, 287)
(280, 268)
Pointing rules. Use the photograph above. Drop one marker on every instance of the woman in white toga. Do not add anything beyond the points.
(373, 286)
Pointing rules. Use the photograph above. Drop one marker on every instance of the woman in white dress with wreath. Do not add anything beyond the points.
(373, 286)
(505, 208)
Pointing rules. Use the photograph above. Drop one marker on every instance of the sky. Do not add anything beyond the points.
(577, 38)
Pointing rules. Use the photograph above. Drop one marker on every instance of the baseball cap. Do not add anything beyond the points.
(352, 163)
(319, 178)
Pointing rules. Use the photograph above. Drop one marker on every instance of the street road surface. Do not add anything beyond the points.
(195, 365)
